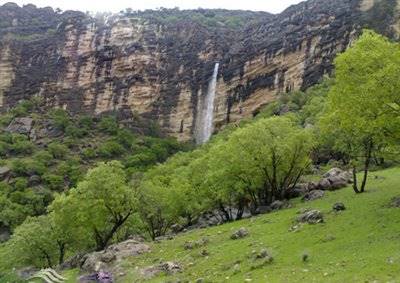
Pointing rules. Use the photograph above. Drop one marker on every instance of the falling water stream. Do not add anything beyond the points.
(206, 124)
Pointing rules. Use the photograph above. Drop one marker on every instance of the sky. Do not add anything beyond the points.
(272, 6)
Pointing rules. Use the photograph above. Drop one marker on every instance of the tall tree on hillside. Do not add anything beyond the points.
(98, 207)
(362, 115)
(272, 152)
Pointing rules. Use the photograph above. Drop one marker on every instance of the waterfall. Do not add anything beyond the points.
(206, 124)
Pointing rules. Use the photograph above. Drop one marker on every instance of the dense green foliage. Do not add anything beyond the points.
(351, 119)
(97, 208)
(360, 119)
(216, 18)
(65, 147)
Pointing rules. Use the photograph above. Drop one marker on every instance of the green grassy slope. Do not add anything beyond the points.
(361, 244)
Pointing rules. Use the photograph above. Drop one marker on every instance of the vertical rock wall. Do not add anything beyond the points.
(139, 66)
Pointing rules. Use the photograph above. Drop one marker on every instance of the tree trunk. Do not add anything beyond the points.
(224, 212)
(240, 210)
(102, 242)
(355, 186)
(366, 165)
(61, 250)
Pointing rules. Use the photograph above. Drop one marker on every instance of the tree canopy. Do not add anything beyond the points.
(360, 114)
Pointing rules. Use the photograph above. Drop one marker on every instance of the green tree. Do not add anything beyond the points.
(360, 114)
(35, 243)
(273, 152)
(167, 196)
(99, 206)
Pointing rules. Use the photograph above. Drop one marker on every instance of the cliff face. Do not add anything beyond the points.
(134, 64)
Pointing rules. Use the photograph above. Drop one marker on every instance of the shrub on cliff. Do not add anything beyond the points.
(110, 149)
(109, 125)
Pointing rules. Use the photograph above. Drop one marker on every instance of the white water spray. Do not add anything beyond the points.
(206, 124)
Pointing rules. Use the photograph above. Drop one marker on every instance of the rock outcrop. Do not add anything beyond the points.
(113, 254)
(142, 64)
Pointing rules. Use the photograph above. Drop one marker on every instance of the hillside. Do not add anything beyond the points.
(200, 145)
(44, 153)
(359, 244)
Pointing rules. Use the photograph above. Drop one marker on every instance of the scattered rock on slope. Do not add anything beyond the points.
(339, 206)
(395, 202)
(93, 261)
(311, 217)
(4, 172)
(313, 195)
(278, 205)
(332, 180)
(335, 179)
(239, 234)
(20, 125)
(168, 267)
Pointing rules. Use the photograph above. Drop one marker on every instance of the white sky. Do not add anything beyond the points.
(272, 6)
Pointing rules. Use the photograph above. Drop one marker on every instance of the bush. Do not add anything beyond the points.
(75, 132)
(54, 182)
(125, 138)
(71, 169)
(109, 125)
(22, 109)
(5, 119)
(28, 167)
(57, 150)
(21, 144)
(44, 157)
(141, 160)
(20, 183)
(110, 149)
(4, 148)
(60, 119)
(88, 153)
(85, 122)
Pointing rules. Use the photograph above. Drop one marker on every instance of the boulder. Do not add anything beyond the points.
(312, 186)
(239, 234)
(5, 234)
(278, 205)
(99, 277)
(311, 217)
(263, 253)
(73, 262)
(190, 245)
(34, 180)
(313, 195)
(333, 172)
(395, 202)
(295, 193)
(176, 228)
(26, 272)
(263, 209)
(324, 184)
(339, 206)
(20, 126)
(4, 172)
(337, 182)
(98, 260)
(168, 267)
(128, 248)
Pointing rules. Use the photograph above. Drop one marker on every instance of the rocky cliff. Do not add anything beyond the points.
(157, 64)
